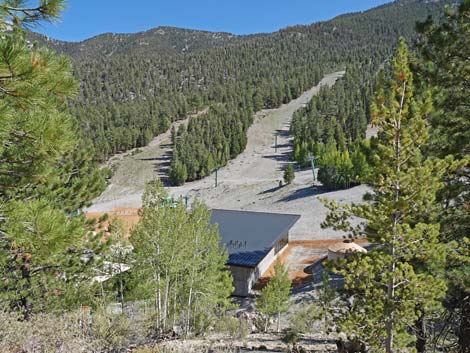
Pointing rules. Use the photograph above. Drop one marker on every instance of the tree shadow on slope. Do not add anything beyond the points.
(280, 157)
(283, 132)
(270, 191)
(305, 192)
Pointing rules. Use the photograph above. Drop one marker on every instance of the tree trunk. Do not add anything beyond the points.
(188, 319)
(166, 300)
(159, 295)
(158, 304)
(121, 290)
(26, 274)
(278, 322)
(464, 334)
(389, 311)
(192, 279)
(421, 335)
(390, 314)
(389, 329)
(174, 301)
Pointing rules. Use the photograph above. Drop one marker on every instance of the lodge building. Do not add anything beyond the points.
(253, 240)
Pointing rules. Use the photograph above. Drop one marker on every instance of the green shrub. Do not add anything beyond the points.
(289, 174)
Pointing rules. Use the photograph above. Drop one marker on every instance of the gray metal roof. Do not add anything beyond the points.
(249, 236)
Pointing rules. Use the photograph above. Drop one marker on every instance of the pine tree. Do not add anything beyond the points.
(41, 184)
(178, 173)
(445, 50)
(41, 263)
(273, 299)
(396, 283)
(35, 130)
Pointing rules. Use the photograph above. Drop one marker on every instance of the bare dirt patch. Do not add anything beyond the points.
(128, 216)
(134, 168)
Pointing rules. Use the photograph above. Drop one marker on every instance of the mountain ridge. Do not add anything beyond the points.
(163, 37)
(218, 37)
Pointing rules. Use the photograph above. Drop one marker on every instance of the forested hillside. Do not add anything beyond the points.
(133, 86)
(161, 40)
(333, 125)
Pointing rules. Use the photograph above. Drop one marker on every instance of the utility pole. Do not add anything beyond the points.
(312, 158)
(216, 176)
(275, 143)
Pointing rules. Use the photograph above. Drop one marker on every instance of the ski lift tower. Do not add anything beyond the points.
(216, 170)
(275, 142)
(311, 159)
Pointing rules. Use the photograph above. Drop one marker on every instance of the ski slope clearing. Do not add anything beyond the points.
(248, 182)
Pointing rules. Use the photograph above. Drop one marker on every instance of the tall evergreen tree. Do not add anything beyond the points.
(445, 68)
(41, 244)
(397, 282)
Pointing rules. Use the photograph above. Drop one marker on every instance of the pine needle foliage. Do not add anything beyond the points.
(289, 174)
(444, 67)
(43, 176)
(397, 282)
(22, 12)
(41, 264)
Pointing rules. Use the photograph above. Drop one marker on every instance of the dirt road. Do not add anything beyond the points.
(249, 182)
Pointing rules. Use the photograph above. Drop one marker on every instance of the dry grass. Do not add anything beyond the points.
(128, 216)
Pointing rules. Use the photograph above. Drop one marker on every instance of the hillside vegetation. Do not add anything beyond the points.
(132, 86)
(71, 284)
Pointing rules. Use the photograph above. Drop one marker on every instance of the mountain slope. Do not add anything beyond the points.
(134, 85)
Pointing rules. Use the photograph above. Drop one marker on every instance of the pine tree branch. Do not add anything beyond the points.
(43, 268)
(7, 92)
(406, 281)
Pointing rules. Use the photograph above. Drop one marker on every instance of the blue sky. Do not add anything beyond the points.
(86, 18)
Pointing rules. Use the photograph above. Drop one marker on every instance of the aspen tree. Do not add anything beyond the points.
(273, 299)
(179, 263)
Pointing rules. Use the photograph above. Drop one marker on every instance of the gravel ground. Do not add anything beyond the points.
(249, 182)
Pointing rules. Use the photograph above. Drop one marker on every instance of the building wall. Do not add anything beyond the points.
(244, 278)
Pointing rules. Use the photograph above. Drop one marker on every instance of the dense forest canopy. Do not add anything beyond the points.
(132, 86)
